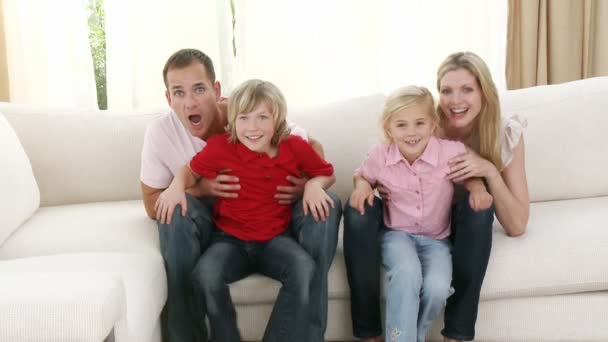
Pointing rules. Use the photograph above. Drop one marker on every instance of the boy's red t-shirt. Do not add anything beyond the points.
(255, 215)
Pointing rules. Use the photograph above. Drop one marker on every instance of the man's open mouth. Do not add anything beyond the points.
(195, 119)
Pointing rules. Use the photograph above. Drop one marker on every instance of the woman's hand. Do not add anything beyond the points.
(468, 165)
(316, 201)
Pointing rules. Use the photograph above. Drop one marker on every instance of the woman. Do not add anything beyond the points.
(470, 113)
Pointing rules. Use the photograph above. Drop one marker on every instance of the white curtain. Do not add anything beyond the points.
(318, 51)
(142, 34)
(48, 54)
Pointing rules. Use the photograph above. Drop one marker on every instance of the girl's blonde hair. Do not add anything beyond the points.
(403, 98)
(247, 96)
(485, 139)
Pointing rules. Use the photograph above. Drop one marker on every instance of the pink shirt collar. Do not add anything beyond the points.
(430, 154)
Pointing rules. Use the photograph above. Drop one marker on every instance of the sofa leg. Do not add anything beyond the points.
(110, 337)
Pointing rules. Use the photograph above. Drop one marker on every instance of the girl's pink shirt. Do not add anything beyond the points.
(421, 195)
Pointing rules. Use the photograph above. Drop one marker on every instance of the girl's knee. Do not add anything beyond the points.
(436, 291)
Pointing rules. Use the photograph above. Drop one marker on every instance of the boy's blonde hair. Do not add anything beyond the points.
(403, 98)
(487, 125)
(247, 96)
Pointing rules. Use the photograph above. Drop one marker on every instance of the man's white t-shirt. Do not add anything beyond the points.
(169, 146)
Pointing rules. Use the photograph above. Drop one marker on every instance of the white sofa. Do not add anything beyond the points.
(82, 260)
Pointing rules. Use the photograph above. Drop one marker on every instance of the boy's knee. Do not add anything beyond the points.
(337, 202)
(207, 276)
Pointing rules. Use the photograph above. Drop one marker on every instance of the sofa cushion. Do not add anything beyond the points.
(563, 251)
(92, 227)
(143, 276)
(65, 306)
(20, 196)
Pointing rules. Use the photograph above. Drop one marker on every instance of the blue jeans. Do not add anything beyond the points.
(471, 243)
(184, 241)
(471, 246)
(418, 277)
(229, 259)
(181, 244)
(320, 240)
(362, 256)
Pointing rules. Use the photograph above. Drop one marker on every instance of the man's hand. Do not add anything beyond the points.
(166, 203)
(289, 194)
(221, 186)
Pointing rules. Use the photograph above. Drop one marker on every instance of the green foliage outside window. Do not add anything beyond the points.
(97, 39)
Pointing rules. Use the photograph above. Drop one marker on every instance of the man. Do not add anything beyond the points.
(199, 112)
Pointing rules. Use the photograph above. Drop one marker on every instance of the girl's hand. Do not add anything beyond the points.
(316, 201)
(362, 193)
(166, 203)
(468, 165)
(480, 199)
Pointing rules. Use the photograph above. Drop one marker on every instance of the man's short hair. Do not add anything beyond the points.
(185, 57)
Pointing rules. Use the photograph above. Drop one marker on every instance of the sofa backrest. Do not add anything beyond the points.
(95, 155)
(566, 139)
(81, 156)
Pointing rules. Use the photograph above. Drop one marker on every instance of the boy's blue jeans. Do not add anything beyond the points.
(418, 277)
(184, 241)
(229, 259)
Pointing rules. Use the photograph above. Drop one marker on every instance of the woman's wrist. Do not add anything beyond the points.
(493, 174)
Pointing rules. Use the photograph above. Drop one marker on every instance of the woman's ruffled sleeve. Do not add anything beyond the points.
(512, 130)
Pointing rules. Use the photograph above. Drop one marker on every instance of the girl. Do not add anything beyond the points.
(252, 227)
(414, 168)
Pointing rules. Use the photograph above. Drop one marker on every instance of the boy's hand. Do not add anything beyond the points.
(480, 199)
(166, 203)
(289, 194)
(316, 201)
(362, 193)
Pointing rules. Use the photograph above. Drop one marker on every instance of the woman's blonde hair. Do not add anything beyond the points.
(404, 98)
(247, 96)
(485, 139)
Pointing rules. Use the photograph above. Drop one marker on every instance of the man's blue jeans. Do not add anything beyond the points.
(229, 259)
(184, 241)
(418, 278)
(181, 244)
(320, 240)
